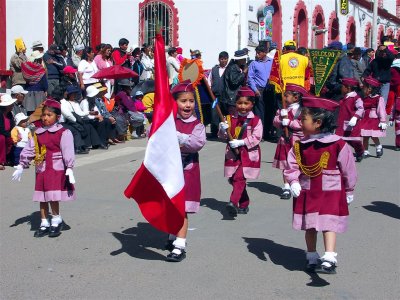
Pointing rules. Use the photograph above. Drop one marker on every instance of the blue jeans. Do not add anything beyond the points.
(385, 91)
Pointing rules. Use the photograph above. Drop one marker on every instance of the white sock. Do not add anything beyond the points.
(56, 220)
(366, 152)
(312, 257)
(286, 186)
(172, 237)
(179, 244)
(45, 223)
(379, 147)
(329, 259)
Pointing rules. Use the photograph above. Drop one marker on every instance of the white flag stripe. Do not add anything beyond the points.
(163, 158)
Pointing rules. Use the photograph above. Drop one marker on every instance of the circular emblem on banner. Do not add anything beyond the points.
(262, 23)
(293, 62)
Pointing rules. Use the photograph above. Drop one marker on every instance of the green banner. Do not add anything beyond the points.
(322, 62)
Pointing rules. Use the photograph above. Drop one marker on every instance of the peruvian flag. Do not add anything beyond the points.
(157, 186)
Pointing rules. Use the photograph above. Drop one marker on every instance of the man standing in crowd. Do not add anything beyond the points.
(76, 56)
(54, 65)
(293, 65)
(172, 66)
(215, 81)
(16, 61)
(122, 57)
(257, 80)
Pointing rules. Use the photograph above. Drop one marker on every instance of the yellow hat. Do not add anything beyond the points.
(19, 44)
(290, 43)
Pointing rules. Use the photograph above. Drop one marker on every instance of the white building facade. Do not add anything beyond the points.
(211, 26)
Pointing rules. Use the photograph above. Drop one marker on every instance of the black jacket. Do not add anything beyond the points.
(3, 131)
(379, 68)
(232, 79)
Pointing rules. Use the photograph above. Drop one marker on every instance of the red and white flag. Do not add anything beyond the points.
(157, 186)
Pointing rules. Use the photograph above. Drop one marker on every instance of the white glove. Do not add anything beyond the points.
(284, 112)
(182, 137)
(17, 173)
(236, 143)
(349, 198)
(70, 174)
(296, 189)
(223, 126)
(353, 121)
(382, 126)
(285, 122)
(391, 123)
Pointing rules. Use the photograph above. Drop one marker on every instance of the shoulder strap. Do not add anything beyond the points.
(243, 129)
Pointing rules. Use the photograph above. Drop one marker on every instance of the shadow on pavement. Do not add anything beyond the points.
(389, 147)
(216, 205)
(34, 220)
(386, 208)
(292, 259)
(135, 242)
(265, 187)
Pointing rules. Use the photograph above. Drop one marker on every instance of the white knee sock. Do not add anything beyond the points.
(45, 223)
(286, 186)
(329, 259)
(379, 147)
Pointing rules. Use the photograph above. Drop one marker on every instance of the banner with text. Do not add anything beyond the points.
(322, 62)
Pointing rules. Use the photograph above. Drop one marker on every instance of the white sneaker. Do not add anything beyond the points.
(134, 135)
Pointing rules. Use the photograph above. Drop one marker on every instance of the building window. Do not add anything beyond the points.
(72, 22)
(333, 28)
(158, 13)
(300, 24)
(368, 35)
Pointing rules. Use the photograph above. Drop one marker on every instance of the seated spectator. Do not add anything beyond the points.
(148, 102)
(18, 92)
(20, 135)
(36, 81)
(140, 133)
(6, 124)
(69, 78)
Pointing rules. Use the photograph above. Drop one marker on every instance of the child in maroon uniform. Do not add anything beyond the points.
(192, 137)
(351, 110)
(373, 125)
(289, 121)
(395, 118)
(246, 130)
(52, 149)
(322, 176)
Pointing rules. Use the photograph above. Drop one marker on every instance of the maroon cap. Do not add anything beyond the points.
(316, 102)
(184, 86)
(245, 91)
(69, 70)
(290, 87)
(372, 81)
(52, 103)
(350, 82)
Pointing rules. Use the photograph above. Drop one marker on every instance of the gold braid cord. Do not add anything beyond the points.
(315, 169)
(40, 154)
(196, 90)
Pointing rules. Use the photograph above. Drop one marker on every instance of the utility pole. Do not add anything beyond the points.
(375, 25)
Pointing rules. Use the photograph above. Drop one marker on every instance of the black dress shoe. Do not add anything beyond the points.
(359, 158)
(232, 209)
(103, 146)
(41, 232)
(173, 257)
(379, 152)
(55, 231)
(243, 211)
(169, 245)
(286, 194)
(330, 268)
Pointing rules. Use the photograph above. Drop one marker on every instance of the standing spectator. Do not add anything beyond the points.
(367, 57)
(64, 54)
(358, 66)
(76, 56)
(257, 80)
(173, 66)
(179, 56)
(379, 69)
(137, 64)
(122, 57)
(233, 78)
(147, 63)
(18, 92)
(87, 67)
(293, 65)
(54, 65)
(6, 124)
(16, 60)
(215, 81)
(36, 81)
(37, 45)
(103, 60)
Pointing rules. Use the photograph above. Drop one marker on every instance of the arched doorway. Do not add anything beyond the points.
(318, 36)
(368, 35)
(381, 33)
(300, 25)
(351, 31)
(276, 22)
(333, 28)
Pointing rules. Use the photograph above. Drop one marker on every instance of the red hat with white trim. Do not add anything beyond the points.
(372, 81)
(350, 82)
(316, 102)
(291, 87)
(184, 86)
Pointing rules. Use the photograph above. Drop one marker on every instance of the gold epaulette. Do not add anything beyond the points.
(40, 154)
(315, 169)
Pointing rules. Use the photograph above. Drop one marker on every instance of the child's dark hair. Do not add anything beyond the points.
(375, 90)
(223, 54)
(328, 123)
(53, 109)
(250, 98)
(299, 95)
(177, 94)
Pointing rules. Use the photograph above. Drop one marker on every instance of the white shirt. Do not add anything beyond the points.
(23, 133)
(87, 69)
(84, 105)
(67, 107)
(148, 64)
(172, 68)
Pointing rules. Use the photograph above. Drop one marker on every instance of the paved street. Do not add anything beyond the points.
(110, 252)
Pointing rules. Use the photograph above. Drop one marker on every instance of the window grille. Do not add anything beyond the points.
(152, 14)
(72, 21)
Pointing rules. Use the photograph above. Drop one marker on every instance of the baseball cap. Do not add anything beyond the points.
(290, 43)
(17, 89)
